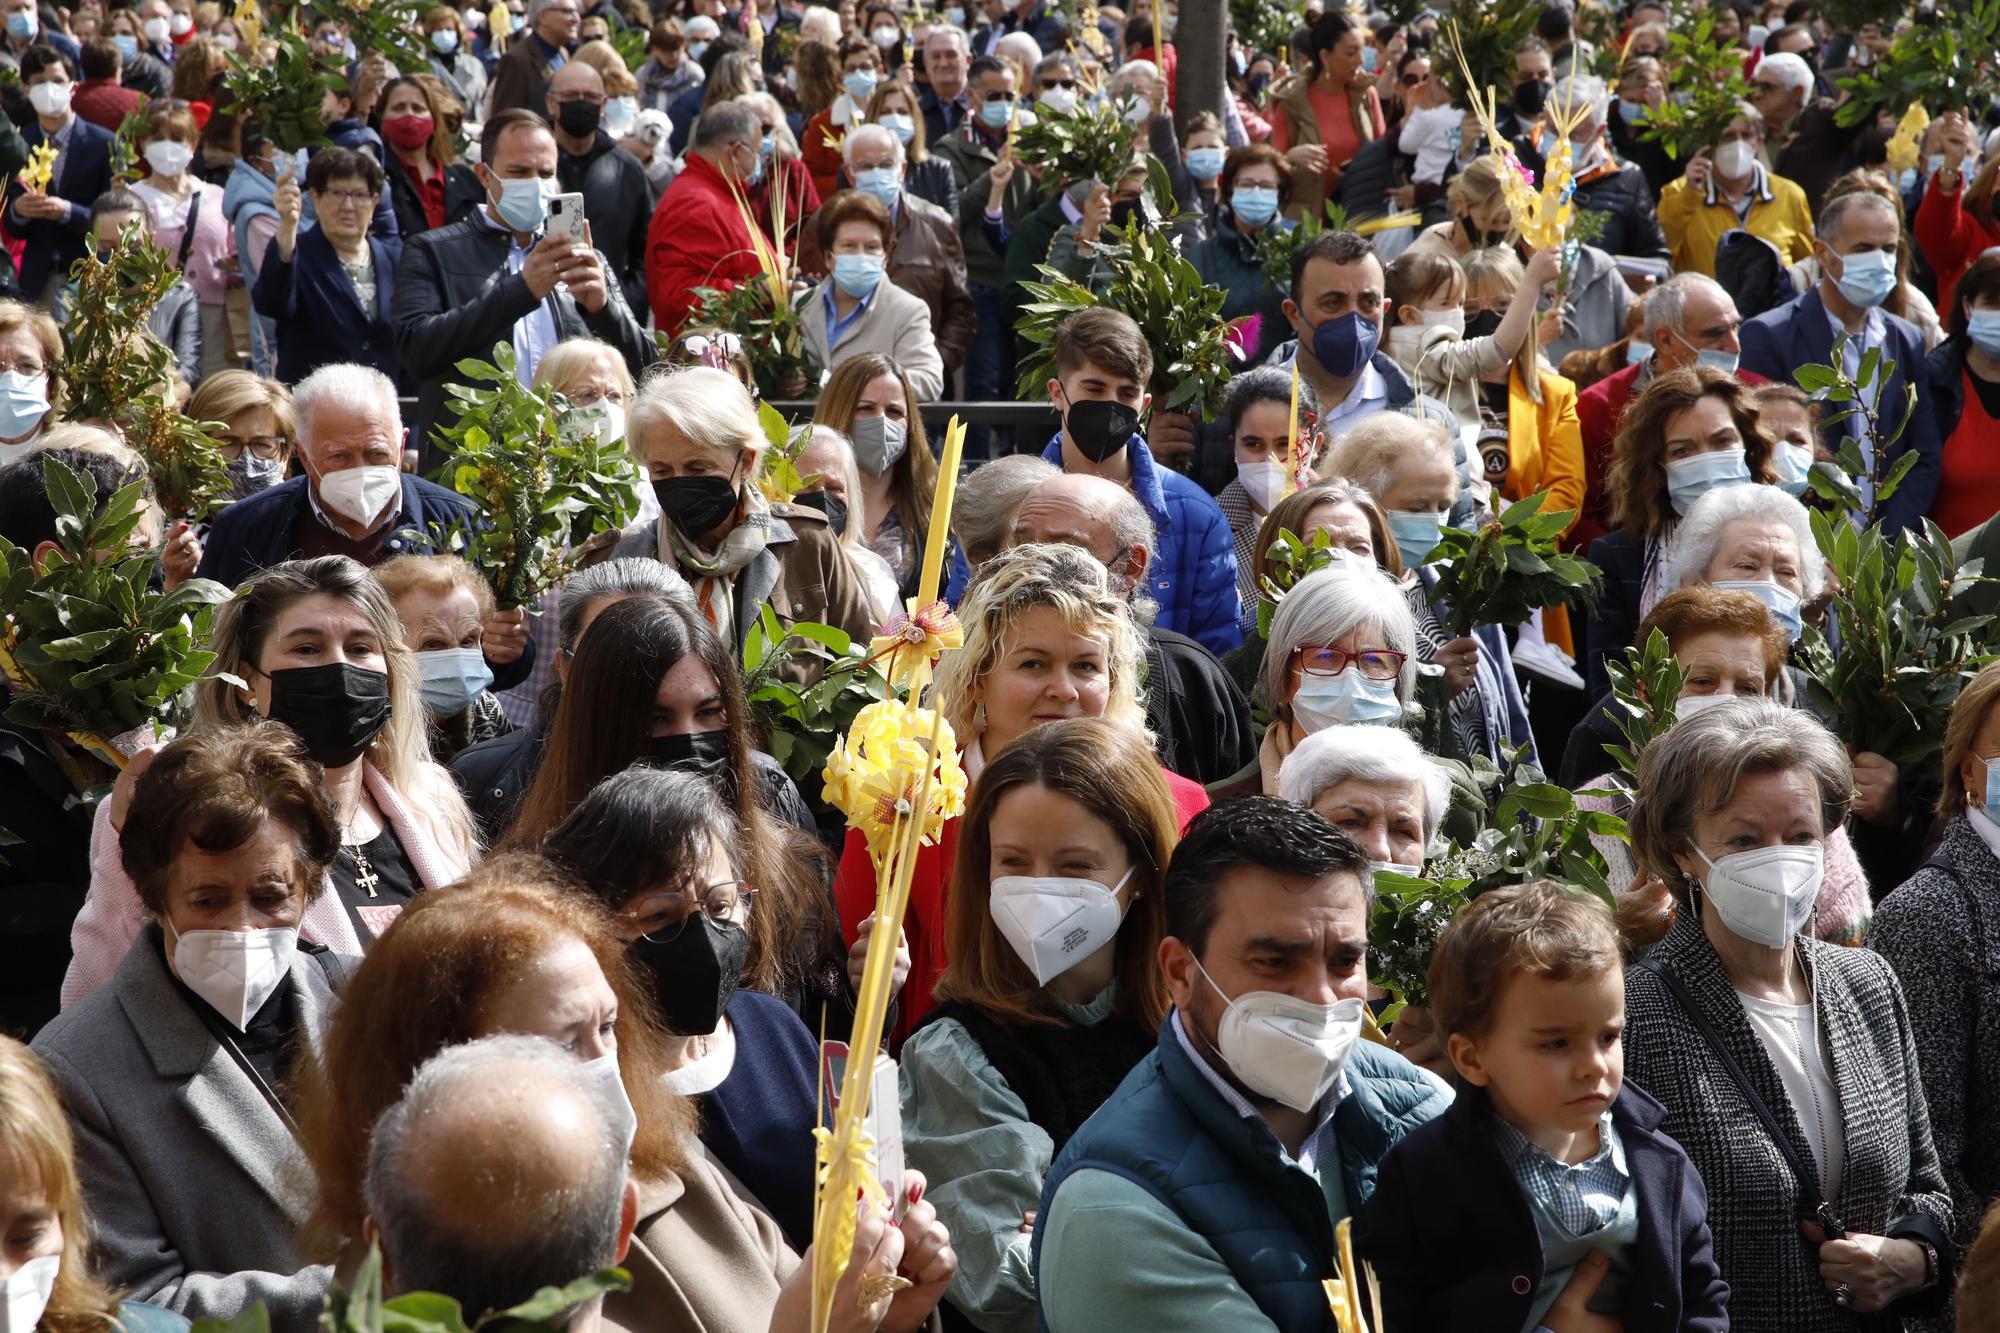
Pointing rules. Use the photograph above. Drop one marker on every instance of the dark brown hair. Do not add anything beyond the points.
(426, 985)
(1103, 337)
(851, 206)
(1979, 1279)
(1415, 277)
(1701, 609)
(1539, 929)
(1253, 155)
(1112, 773)
(216, 788)
(1982, 279)
(916, 472)
(1289, 515)
(1637, 479)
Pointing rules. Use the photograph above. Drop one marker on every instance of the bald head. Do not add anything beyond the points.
(501, 1171)
(1094, 513)
(576, 83)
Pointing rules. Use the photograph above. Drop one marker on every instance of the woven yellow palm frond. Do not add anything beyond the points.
(1343, 1293)
(1540, 215)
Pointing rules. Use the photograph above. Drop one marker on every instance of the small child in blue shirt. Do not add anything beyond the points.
(1547, 1189)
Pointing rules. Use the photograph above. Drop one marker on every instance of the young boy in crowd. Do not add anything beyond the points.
(1547, 1189)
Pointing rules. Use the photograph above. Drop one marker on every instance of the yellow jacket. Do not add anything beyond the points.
(1545, 453)
(1695, 220)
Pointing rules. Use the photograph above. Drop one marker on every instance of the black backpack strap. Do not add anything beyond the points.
(187, 232)
(1808, 1181)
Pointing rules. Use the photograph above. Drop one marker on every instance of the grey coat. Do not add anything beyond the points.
(1594, 309)
(190, 1175)
(1892, 1184)
(1941, 932)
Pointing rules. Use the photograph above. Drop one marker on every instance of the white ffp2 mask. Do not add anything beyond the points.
(1766, 893)
(235, 971)
(24, 1296)
(1284, 1048)
(360, 494)
(1055, 923)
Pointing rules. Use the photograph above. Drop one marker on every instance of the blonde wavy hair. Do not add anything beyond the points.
(36, 1133)
(1069, 581)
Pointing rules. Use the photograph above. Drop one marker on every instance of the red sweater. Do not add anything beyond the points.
(923, 923)
(697, 239)
(1951, 238)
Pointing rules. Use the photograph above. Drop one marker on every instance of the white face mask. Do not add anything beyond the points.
(1393, 868)
(1055, 923)
(1688, 705)
(604, 1069)
(1263, 482)
(360, 494)
(604, 420)
(51, 99)
(1349, 699)
(1733, 159)
(1767, 893)
(1453, 319)
(1287, 1049)
(25, 1294)
(167, 157)
(235, 971)
(1062, 101)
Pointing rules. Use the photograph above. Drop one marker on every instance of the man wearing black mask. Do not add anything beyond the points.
(1102, 367)
(618, 197)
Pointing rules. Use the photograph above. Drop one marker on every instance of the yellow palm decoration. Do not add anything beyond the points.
(1909, 131)
(1541, 217)
(249, 27)
(1343, 1293)
(41, 168)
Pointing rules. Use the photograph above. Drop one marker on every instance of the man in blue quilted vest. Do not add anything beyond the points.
(1204, 1193)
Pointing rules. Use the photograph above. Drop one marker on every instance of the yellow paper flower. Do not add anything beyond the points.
(874, 774)
(912, 641)
(249, 27)
(1903, 143)
(41, 168)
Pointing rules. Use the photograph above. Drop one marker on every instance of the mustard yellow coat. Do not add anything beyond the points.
(1545, 453)
(1694, 226)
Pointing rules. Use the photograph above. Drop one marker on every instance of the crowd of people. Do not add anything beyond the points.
(503, 940)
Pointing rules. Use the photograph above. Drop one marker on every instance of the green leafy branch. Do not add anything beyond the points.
(1287, 561)
(1708, 90)
(1266, 25)
(771, 334)
(1840, 481)
(288, 96)
(1278, 244)
(125, 145)
(1093, 142)
(1940, 65)
(87, 646)
(1508, 570)
(1488, 31)
(392, 27)
(1645, 692)
(801, 723)
(543, 489)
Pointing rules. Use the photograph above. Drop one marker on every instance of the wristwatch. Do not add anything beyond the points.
(1930, 1259)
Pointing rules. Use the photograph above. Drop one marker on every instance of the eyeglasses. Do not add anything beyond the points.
(1372, 663)
(349, 198)
(231, 447)
(662, 916)
(997, 97)
(1412, 80)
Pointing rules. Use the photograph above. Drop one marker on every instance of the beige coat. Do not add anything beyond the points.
(895, 324)
(703, 1260)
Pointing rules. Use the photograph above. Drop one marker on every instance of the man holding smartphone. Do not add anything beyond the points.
(618, 197)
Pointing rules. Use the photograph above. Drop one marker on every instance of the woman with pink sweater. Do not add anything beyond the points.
(175, 198)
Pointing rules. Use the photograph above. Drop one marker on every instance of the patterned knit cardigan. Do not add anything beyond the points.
(1892, 1184)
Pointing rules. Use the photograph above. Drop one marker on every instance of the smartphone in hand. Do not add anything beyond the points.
(566, 217)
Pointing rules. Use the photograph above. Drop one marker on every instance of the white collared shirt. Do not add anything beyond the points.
(1317, 1145)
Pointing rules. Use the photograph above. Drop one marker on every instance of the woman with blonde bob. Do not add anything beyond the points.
(38, 1177)
(259, 430)
(1047, 637)
(31, 346)
(314, 644)
(695, 436)
(1040, 1014)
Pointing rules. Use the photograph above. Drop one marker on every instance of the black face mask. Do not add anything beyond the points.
(705, 754)
(1258, 84)
(1483, 325)
(697, 505)
(336, 709)
(1530, 96)
(1124, 214)
(1481, 238)
(1100, 427)
(578, 119)
(695, 972)
(829, 504)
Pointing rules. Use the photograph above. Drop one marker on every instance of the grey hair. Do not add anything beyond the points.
(1021, 47)
(1833, 218)
(982, 513)
(956, 36)
(1135, 69)
(1697, 766)
(1385, 755)
(1587, 90)
(564, 1233)
(1371, 453)
(1131, 525)
(349, 384)
(1666, 304)
(863, 135)
(1051, 61)
(535, 8)
(628, 576)
(850, 473)
(1331, 603)
(1788, 69)
(1699, 533)
(782, 135)
(709, 406)
(726, 123)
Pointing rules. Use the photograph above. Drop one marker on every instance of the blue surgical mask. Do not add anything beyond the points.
(1688, 479)
(1983, 327)
(884, 183)
(1345, 343)
(1548, 144)
(955, 16)
(1205, 164)
(900, 125)
(767, 145)
(24, 402)
(1368, 58)
(1933, 164)
(860, 85)
(1416, 534)
(857, 275)
(1794, 465)
(22, 25)
(694, 50)
(1780, 601)
(1349, 699)
(127, 44)
(524, 204)
(1633, 113)
(1906, 181)
(444, 41)
(756, 171)
(1866, 279)
(1253, 204)
(995, 115)
(453, 679)
(1991, 806)
(1717, 359)
(1636, 351)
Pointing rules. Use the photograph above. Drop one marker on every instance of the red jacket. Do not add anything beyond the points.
(1951, 238)
(697, 238)
(923, 922)
(1600, 410)
(104, 103)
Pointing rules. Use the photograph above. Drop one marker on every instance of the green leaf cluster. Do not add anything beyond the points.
(544, 488)
(1908, 644)
(91, 648)
(393, 27)
(1645, 692)
(1179, 314)
(288, 96)
(1858, 396)
(1267, 25)
(1508, 570)
(1091, 142)
(125, 145)
(1943, 64)
(1277, 245)
(631, 45)
(800, 724)
(1488, 30)
(117, 372)
(1708, 86)
(771, 335)
(780, 477)
(1287, 561)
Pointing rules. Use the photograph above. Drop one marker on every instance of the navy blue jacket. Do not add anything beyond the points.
(319, 316)
(1454, 1242)
(256, 533)
(1615, 618)
(1777, 341)
(82, 173)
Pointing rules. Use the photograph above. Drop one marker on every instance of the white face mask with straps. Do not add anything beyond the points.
(235, 971)
(1284, 1048)
(1767, 893)
(24, 1295)
(1055, 923)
